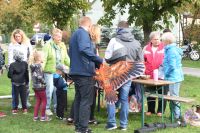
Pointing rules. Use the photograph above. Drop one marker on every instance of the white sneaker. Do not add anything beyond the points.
(48, 112)
(20, 106)
(28, 104)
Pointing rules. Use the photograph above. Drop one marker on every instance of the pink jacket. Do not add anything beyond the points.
(153, 62)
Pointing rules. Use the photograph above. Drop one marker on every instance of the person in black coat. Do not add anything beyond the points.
(18, 73)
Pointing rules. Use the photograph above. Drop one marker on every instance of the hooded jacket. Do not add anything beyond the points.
(123, 47)
(172, 63)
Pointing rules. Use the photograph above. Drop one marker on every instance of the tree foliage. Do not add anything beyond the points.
(148, 14)
(192, 10)
(57, 12)
(13, 15)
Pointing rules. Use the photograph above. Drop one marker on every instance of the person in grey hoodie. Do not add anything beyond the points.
(122, 47)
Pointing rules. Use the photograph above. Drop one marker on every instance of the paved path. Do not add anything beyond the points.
(191, 71)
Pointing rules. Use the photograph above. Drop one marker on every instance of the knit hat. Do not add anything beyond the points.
(62, 68)
(18, 56)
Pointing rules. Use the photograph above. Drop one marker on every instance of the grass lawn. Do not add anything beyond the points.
(21, 123)
(190, 63)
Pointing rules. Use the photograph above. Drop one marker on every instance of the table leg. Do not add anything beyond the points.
(162, 103)
(142, 91)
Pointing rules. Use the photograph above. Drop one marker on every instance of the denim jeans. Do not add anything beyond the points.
(49, 90)
(174, 91)
(13, 96)
(123, 99)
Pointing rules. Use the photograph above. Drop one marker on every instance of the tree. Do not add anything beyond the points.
(144, 13)
(57, 12)
(13, 15)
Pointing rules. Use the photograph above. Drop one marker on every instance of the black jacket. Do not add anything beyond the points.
(18, 72)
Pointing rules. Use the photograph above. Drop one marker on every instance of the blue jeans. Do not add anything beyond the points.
(13, 95)
(49, 90)
(174, 91)
(123, 99)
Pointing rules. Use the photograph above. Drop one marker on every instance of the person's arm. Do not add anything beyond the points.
(66, 58)
(45, 50)
(110, 49)
(10, 54)
(140, 55)
(26, 74)
(10, 71)
(171, 62)
(84, 45)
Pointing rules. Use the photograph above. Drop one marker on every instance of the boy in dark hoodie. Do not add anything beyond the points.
(18, 73)
(61, 89)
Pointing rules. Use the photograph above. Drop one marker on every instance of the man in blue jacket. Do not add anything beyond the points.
(82, 69)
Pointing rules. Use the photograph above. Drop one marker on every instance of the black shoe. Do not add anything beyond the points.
(77, 130)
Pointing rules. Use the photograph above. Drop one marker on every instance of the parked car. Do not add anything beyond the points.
(40, 36)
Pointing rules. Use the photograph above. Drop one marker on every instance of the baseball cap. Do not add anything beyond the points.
(62, 68)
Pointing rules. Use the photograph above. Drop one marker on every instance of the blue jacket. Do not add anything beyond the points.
(172, 63)
(82, 54)
(59, 82)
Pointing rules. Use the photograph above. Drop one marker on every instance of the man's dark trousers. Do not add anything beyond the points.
(84, 95)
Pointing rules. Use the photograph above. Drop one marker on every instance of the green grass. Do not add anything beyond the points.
(24, 124)
(190, 63)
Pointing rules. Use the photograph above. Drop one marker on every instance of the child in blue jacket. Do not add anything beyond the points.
(61, 92)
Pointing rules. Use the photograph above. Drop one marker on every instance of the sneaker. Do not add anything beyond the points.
(28, 104)
(148, 113)
(45, 119)
(159, 114)
(60, 118)
(111, 127)
(95, 122)
(88, 130)
(35, 118)
(48, 112)
(2, 114)
(20, 106)
(70, 121)
(25, 111)
(123, 128)
(14, 111)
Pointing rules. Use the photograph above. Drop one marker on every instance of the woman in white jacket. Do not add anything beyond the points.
(19, 42)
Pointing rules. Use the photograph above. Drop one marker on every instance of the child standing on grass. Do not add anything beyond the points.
(61, 92)
(39, 86)
(18, 73)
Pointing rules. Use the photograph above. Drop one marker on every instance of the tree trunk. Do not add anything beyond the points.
(147, 29)
(193, 21)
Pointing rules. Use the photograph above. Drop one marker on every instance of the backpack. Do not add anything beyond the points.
(2, 58)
